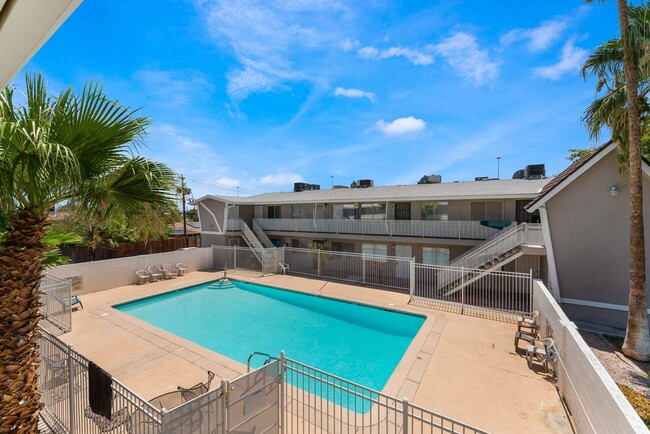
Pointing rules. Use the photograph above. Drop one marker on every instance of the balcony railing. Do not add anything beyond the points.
(451, 229)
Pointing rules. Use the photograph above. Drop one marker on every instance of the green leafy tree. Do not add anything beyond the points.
(75, 147)
(621, 69)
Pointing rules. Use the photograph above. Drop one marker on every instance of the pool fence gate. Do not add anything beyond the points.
(282, 396)
(499, 295)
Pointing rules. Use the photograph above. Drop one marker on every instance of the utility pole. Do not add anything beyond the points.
(332, 178)
(183, 188)
(498, 168)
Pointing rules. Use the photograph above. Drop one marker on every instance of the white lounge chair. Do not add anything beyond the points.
(156, 272)
(169, 272)
(284, 267)
(182, 269)
(143, 277)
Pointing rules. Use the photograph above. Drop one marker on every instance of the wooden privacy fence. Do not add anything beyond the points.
(79, 254)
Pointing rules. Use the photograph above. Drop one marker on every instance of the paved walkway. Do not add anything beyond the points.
(462, 367)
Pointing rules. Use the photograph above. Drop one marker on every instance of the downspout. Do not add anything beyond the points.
(314, 217)
(386, 219)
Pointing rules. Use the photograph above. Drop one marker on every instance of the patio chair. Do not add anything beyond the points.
(528, 324)
(182, 269)
(284, 267)
(196, 390)
(156, 273)
(143, 277)
(528, 336)
(167, 400)
(72, 302)
(105, 425)
(169, 272)
(543, 351)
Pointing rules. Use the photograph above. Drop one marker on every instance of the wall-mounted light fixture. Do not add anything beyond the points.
(614, 190)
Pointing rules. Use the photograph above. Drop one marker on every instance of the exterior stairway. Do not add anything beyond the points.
(264, 255)
(262, 235)
(491, 254)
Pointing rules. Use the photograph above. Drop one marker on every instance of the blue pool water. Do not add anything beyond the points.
(360, 343)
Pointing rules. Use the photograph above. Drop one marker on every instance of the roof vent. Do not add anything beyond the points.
(362, 183)
(303, 186)
(519, 174)
(430, 179)
(337, 186)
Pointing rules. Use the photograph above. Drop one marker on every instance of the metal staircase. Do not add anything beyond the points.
(266, 257)
(262, 235)
(491, 254)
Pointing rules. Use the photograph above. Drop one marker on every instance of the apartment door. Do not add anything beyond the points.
(403, 211)
(402, 269)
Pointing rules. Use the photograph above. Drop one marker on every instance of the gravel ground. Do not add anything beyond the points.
(625, 372)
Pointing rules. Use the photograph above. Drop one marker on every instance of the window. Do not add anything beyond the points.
(435, 256)
(273, 212)
(342, 247)
(373, 211)
(344, 211)
(299, 211)
(375, 249)
(486, 211)
(435, 211)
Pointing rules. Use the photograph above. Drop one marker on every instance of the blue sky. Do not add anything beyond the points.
(260, 94)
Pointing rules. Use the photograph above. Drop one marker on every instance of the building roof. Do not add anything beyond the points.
(574, 170)
(193, 228)
(491, 189)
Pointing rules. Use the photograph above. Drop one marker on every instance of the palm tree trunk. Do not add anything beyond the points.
(637, 339)
(21, 270)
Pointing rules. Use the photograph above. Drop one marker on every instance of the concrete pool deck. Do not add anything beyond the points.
(459, 366)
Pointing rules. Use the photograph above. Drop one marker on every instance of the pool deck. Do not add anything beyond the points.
(459, 366)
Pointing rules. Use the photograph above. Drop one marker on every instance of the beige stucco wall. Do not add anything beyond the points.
(207, 221)
(590, 236)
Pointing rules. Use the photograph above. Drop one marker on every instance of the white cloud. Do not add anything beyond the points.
(173, 88)
(354, 93)
(539, 38)
(228, 182)
(462, 53)
(281, 178)
(401, 126)
(348, 44)
(570, 61)
(414, 56)
(266, 36)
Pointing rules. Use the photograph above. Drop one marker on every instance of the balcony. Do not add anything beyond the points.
(450, 229)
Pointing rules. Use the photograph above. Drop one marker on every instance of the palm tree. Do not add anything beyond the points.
(79, 148)
(619, 71)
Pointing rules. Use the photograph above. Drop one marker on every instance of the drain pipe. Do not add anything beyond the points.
(225, 216)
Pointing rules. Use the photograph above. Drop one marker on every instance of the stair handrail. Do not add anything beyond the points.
(496, 247)
(262, 235)
(487, 242)
(252, 239)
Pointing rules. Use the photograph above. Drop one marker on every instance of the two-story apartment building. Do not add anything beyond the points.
(436, 223)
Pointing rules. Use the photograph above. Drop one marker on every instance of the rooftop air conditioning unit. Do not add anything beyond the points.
(535, 171)
(365, 183)
(481, 178)
(313, 187)
(299, 186)
(430, 179)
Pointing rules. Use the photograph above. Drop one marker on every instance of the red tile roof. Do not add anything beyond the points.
(577, 164)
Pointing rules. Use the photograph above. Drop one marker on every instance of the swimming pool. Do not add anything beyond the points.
(360, 343)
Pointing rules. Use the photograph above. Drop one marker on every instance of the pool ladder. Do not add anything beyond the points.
(268, 360)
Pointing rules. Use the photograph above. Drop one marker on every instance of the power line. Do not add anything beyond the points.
(219, 185)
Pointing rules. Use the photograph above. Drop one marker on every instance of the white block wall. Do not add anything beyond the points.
(595, 401)
(113, 273)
